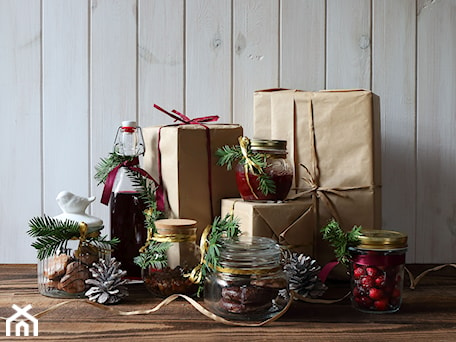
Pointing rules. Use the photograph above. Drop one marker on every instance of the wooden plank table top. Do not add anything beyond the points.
(427, 314)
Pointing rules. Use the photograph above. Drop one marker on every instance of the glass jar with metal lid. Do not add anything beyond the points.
(377, 271)
(278, 168)
(250, 283)
(182, 256)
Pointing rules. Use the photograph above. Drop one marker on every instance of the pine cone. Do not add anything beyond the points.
(302, 273)
(107, 284)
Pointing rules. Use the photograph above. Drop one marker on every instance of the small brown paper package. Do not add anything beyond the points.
(187, 177)
(290, 223)
(333, 140)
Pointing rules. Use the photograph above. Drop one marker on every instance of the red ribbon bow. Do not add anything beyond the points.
(132, 165)
(185, 120)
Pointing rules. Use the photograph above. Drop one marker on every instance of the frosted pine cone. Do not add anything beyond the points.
(302, 272)
(107, 284)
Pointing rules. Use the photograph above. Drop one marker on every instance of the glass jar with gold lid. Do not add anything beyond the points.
(250, 283)
(182, 256)
(278, 168)
(377, 271)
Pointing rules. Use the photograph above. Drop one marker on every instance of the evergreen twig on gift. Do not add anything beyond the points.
(53, 235)
(253, 162)
(341, 240)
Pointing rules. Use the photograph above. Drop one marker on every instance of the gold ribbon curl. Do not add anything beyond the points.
(249, 165)
(83, 236)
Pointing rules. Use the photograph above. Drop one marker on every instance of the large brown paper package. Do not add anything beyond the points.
(334, 142)
(290, 223)
(185, 170)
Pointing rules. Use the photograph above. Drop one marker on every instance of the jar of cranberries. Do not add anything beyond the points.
(278, 169)
(182, 256)
(250, 283)
(377, 271)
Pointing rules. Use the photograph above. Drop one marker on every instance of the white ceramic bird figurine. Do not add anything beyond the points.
(74, 208)
(71, 203)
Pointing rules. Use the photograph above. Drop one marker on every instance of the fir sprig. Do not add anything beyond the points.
(226, 227)
(154, 255)
(255, 162)
(341, 240)
(106, 165)
(53, 235)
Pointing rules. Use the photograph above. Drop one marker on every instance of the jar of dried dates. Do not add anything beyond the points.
(377, 271)
(250, 283)
(278, 169)
(63, 274)
(182, 256)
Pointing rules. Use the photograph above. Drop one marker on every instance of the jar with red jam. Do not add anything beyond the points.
(377, 271)
(182, 256)
(278, 169)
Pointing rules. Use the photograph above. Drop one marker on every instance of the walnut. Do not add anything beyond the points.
(56, 266)
(74, 279)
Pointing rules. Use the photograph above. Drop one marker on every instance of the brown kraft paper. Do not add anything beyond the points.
(333, 140)
(289, 223)
(185, 170)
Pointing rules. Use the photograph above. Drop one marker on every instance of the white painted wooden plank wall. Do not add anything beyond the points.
(71, 71)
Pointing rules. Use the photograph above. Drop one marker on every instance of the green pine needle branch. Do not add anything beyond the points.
(341, 240)
(52, 235)
(106, 165)
(229, 155)
(226, 227)
(154, 255)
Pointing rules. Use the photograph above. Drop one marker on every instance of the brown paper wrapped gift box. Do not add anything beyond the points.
(185, 170)
(334, 142)
(290, 223)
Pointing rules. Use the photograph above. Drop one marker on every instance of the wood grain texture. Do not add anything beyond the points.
(20, 112)
(427, 313)
(348, 40)
(208, 59)
(161, 59)
(303, 48)
(393, 80)
(436, 122)
(65, 100)
(256, 55)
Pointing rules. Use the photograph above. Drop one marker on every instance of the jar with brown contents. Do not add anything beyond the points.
(182, 256)
(63, 275)
(250, 283)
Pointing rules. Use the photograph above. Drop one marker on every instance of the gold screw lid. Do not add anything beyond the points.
(382, 239)
(268, 145)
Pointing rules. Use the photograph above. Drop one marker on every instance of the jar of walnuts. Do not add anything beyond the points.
(63, 274)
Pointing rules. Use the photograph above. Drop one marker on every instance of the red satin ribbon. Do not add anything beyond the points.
(132, 165)
(185, 120)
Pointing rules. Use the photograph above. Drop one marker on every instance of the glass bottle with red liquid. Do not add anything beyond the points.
(278, 168)
(126, 205)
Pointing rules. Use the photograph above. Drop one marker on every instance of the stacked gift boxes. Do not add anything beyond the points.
(333, 143)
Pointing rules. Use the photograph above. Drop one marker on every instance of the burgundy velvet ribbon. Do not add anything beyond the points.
(132, 165)
(185, 120)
